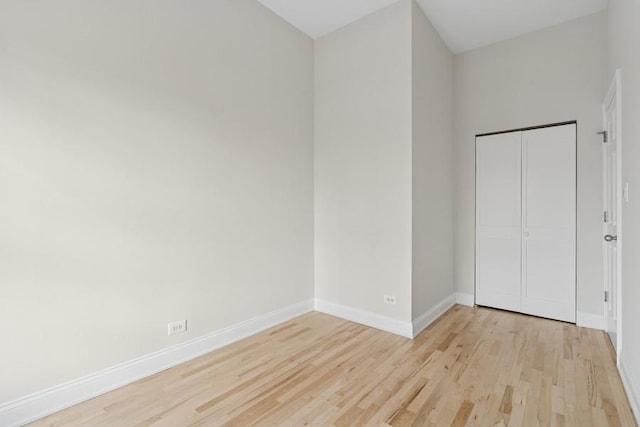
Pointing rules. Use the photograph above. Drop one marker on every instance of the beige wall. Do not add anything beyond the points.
(432, 125)
(363, 163)
(554, 75)
(155, 165)
(623, 47)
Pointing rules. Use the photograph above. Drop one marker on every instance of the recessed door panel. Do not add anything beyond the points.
(546, 267)
(499, 179)
(499, 272)
(550, 178)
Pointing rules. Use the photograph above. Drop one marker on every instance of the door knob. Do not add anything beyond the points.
(610, 238)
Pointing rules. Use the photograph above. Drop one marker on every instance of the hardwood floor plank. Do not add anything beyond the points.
(463, 414)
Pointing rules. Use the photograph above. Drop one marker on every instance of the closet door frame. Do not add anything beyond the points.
(476, 195)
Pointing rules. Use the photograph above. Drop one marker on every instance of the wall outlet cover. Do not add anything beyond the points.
(389, 299)
(178, 327)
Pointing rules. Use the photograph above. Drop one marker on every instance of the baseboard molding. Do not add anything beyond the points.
(465, 299)
(421, 323)
(52, 400)
(633, 391)
(366, 318)
(593, 321)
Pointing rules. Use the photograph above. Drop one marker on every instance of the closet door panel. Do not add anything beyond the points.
(548, 222)
(546, 267)
(498, 221)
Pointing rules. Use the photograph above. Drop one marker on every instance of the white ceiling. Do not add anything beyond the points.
(463, 24)
(320, 17)
(468, 24)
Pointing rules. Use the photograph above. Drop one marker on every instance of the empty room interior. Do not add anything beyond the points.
(319, 212)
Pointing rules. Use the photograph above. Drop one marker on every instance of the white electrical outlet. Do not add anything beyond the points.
(177, 327)
(389, 299)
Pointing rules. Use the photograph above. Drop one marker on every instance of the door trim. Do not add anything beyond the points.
(550, 125)
(615, 92)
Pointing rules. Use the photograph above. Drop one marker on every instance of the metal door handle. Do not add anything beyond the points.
(610, 238)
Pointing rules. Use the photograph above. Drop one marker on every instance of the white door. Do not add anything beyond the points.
(549, 222)
(526, 221)
(498, 220)
(612, 200)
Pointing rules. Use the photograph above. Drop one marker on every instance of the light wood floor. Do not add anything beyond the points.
(474, 366)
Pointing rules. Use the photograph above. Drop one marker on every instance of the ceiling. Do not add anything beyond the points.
(468, 24)
(463, 24)
(320, 17)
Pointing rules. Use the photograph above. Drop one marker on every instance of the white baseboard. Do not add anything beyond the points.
(465, 299)
(366, 318)
(421, 323)
(593, 321)
(632, 388)
(49, 401)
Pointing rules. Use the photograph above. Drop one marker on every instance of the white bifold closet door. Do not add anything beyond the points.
(526, 221)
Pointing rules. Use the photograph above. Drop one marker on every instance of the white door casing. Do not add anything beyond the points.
(612, 211)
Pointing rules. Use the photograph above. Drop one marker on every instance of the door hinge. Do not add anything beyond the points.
(605, 136)
(606, 216)
(606, 296)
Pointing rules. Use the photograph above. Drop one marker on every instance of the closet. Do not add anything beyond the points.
(526, 221)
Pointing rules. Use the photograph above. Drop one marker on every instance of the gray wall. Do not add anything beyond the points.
(623, 47)
(155, 165)
(363, 163)
(553, 75)
(432, 166)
